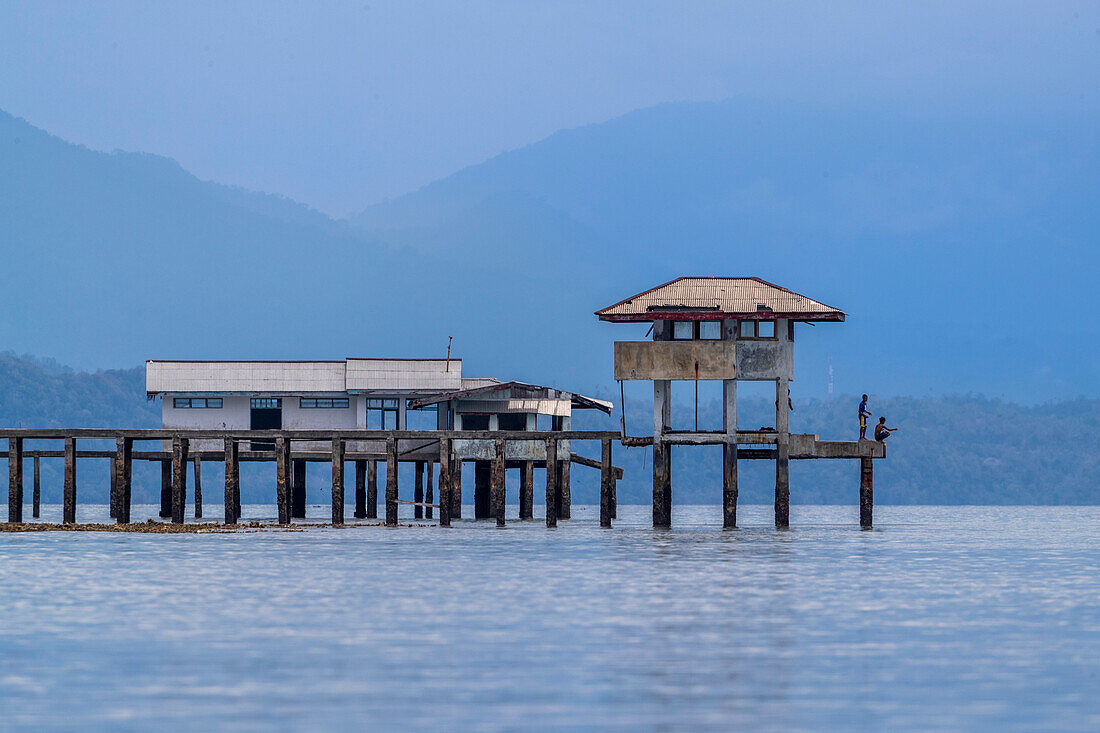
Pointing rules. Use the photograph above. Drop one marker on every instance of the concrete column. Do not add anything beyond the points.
(69, 501)
(418, 490)
(36, 498)
(482, 479)
(179, 478)
(782, 457)
(606, 484)
(729, 454)
(564, 487)
(372, 489)
(361, 490)
(662, 455)
(15, 479)
(445, 482)
(112, 500)
(429, 493)
(282, 479)
(166, 488)
(456, 488)
(232, 497)
(497, 490)
(866, 492)
(527, 490)
(337, 482)
(198, 487)
(298, 488)
(391, 482)
(551, 482)
(124, 462)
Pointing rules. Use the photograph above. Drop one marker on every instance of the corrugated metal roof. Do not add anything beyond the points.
(514, 391)
(720, 296)
(404, 374)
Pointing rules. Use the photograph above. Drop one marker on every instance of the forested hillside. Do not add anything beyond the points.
(950, 450)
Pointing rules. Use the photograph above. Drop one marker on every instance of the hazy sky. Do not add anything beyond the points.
(343, 104)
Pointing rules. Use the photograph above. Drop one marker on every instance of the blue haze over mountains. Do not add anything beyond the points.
(961, 243)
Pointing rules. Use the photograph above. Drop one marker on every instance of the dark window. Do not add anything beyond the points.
(475, 422)
(323, 402)
(266, 403)
(512, 421)
(197, 402)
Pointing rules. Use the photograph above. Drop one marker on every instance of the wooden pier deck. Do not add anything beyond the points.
(291, 449)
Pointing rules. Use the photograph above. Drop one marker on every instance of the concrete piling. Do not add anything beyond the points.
(782, 483)
(36, 497)
(15, 479)
(372, 489)
(166, 488)
(497, 490)
(123, 465)
(429, 494)
(282, 480)
(527, 490)
(298, 489)
(565, 490)
(456, 488)
(360, 490)
(198, 487)
(551, 482)
(337, 482)
(112, 496)
(662, 485)
(445, 482)
(232, 482)
(179, 478)
(418, 490)
(391, 482)
(68, 509)
(866, 492)
(607, 482)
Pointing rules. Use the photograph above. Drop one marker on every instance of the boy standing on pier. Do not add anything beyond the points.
(863, 415)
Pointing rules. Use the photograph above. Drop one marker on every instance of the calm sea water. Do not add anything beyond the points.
(942, 618)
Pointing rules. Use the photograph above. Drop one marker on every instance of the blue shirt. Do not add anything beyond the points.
(863, 409)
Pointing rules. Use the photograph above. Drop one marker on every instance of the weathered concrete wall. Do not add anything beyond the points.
(762, 360)
(681, 360)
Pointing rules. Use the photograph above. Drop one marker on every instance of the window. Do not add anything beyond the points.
(323, 402)
(470, 421)
(683, 330)
(266, 403)
(200, 402)
(512, 421)
(710, 330)
(757, 330)
(381, 414)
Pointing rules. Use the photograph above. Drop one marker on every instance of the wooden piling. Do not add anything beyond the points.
(564, 490)
(482, 486)
(282, 480)
(166, 488)
(606, 483)
(360, 490)
(15, 479)
(179, 478)
(198, 487)
(337, 482)
(391, 482)
(429, 493)
(372, 489)
(418, 490)
(456, 488)
(232, 482)
(497, 491)
(298, 489)
(124, 464)
(527, 490)
(662, 485)
(36, 497)
(866, 492)
(551, 482)
(68, 510)
(445, 482)
(782, 482)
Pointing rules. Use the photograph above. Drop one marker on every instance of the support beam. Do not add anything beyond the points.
(232, 482)
(482, 480)
(198, 488)
(166, 488)
(68, 510)
(179, 478)
(372, 489)
(360, 490)
(551, 482)
(429, 494)
(607, 483)
(15, 479)
(498, 483)
(337, 482)
(445, 481)
(391, 481)
(527, 490)
(298, 489)
(418, 490)
(36, 499)
(282, 479)
(866, 492)
(124, 474)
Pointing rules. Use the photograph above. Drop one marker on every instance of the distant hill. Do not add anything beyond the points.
(961, 450)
